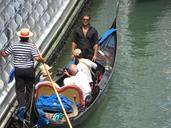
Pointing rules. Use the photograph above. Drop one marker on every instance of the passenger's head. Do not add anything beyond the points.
(72, 69)
(45, 69)
(85, 19)
(45, 72)
(77, 53)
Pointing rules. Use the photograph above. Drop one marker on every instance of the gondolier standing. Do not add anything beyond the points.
(86, 39)
(23, 53)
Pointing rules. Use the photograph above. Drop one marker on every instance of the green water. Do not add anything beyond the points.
(139, 93)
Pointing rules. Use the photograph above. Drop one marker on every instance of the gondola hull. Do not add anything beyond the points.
(106, 61)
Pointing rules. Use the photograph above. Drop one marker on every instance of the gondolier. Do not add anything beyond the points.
(86, 39)
(24, 53)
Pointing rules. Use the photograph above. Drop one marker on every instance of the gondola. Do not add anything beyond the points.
(106, 58)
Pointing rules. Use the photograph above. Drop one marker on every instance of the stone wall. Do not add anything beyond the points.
(41, 17)
(38, 15)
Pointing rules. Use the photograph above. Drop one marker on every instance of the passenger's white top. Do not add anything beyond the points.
(81, 81)
(85, 66)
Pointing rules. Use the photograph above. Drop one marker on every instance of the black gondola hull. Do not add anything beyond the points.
(106, 58)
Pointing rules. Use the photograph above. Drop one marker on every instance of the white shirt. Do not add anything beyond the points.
(85, 66)
(81, 81)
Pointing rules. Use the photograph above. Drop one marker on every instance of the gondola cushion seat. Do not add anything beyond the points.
(73, 92)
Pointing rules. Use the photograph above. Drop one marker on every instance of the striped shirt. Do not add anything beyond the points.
(23, 54)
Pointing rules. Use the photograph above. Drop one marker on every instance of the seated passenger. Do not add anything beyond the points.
(79, 79)
(84, 65)
(44, 74)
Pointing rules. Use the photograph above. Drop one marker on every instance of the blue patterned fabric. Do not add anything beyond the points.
(51, 103)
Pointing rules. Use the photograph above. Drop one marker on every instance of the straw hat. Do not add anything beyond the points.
(24, 33)
(77, 52)
(43, 71)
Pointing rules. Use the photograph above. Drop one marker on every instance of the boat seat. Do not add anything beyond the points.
(71, 91)
(44, 88)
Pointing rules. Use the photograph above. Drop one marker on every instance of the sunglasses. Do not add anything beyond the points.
(85, 19)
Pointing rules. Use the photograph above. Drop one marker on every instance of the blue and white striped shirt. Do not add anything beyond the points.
(23, 54)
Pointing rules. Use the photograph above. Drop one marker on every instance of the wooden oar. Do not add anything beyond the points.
(73, 114)
(56, 92)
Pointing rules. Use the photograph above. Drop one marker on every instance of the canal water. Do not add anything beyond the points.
(139, 93)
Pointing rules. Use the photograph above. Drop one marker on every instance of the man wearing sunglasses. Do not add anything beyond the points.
(86, 39)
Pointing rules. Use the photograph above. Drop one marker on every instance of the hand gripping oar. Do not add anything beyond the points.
(57, 94)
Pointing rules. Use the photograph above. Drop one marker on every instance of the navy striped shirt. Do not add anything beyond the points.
(23, 54)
